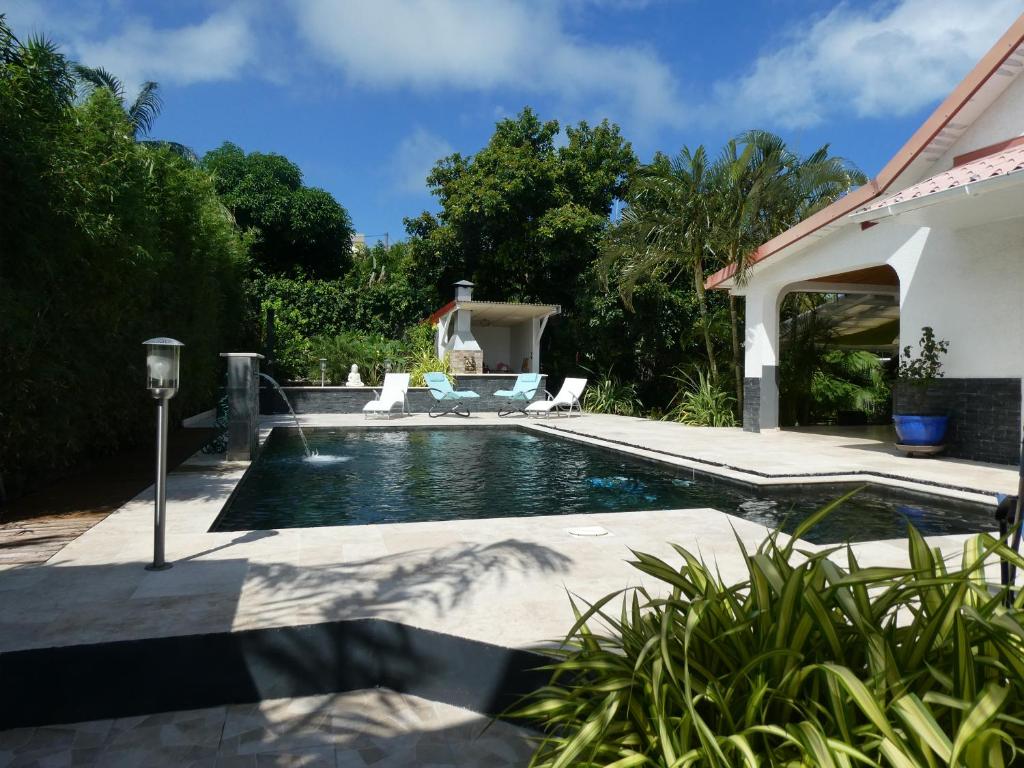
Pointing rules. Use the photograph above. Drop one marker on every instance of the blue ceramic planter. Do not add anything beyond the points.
(921, 430)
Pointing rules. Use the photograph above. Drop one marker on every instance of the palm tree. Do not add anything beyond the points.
(666, 231)
(763, 189)
(688, 214)
(143, 111)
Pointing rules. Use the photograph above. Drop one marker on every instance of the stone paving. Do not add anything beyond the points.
(362, 729)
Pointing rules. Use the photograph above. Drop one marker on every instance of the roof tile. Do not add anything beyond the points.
(987, 167)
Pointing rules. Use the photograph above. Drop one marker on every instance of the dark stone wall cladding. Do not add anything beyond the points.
(985, 415)
(751, 404)
(343, 400)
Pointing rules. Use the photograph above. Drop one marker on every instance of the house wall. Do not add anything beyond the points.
(1003, 120)
(967, 284)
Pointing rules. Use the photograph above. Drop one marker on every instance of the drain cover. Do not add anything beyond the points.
(588, 530)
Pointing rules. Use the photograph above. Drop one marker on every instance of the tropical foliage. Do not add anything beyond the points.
(689, 215)
(293, 227)
(803, 662)
(817, 380)
(104, 242)
(609, 394)
(700, 402)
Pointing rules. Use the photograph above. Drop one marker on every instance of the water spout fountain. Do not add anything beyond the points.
(305, 443)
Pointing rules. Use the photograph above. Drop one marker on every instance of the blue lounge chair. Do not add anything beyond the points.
(448, 399)
(520, 395)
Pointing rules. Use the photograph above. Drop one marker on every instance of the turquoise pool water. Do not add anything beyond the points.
(394, 475)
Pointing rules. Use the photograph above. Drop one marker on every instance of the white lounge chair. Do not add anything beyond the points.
(392, 393)
(568, 397)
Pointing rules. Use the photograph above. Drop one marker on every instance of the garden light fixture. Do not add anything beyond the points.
(323, 370)
(163, 362)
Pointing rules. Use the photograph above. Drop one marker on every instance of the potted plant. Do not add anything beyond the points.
(920, 371)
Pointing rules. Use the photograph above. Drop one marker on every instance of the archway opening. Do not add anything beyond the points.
(839, 347)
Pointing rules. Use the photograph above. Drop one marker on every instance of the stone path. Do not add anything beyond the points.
(377, 728)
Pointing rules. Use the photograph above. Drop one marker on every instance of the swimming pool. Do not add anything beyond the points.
(396, 474)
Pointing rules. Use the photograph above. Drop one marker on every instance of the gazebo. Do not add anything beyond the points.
(490, 337)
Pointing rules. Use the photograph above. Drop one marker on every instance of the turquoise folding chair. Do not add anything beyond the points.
(447, 399)
(520, 395)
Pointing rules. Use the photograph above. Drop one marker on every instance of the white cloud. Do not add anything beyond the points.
(866, 60)
(217, 48)
(483, 45)
(415, 157)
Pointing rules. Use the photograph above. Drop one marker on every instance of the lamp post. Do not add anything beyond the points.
(163, 359)
(323, 370)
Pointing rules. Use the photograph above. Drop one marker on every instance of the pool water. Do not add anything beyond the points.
(396, 475)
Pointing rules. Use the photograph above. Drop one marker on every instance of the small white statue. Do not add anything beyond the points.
(354, 379)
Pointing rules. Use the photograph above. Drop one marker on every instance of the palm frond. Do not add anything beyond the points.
(146, 108)
(185, 153)
(98, 77)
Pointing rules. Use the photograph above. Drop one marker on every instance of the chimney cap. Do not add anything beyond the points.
(464, 284)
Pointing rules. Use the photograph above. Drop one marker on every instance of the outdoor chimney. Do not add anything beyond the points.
(464, 353)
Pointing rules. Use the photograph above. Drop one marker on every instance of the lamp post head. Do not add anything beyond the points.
(163, 366)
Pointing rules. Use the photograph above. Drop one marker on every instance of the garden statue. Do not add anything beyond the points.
(354, 379)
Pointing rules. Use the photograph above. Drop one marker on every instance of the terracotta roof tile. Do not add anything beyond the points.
(996, 164)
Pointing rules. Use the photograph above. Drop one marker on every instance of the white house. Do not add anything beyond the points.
(941, 226)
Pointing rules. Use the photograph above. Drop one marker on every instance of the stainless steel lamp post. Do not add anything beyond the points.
(163, 359)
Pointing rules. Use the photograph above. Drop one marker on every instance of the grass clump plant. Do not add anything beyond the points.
(609, 394)
(803, 662)
(700, 402)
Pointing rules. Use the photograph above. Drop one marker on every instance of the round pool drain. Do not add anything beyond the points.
(588, 530)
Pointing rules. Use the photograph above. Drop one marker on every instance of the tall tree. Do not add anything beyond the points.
(143, 111)
(763, 189)
(523, 217)
(689, 214)
(293, 226)
(666, 231)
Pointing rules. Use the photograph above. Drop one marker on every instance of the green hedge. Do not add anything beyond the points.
(104, 242)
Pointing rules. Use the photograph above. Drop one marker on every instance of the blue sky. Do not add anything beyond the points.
(365, 95)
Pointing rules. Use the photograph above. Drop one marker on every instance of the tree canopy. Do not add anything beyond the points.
(293, 227)
(523, 217)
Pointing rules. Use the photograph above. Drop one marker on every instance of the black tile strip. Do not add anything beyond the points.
(75, 683)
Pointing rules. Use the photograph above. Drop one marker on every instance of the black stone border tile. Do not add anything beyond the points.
(75, 683)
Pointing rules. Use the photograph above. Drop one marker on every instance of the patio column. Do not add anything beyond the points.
(243, 405)
(760, 382)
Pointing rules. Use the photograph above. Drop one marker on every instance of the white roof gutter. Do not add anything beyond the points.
(971, 189)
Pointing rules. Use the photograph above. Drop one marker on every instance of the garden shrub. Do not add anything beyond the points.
(803, 662)
(104, 243)
(699, 402)
(609, 394)
(372, 352)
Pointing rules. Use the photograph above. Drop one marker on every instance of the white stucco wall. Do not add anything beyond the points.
(522, 345)
(495, 342)
(969, 286)
(849, 249)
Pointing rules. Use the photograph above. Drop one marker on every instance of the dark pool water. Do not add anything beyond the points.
(395, 475)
